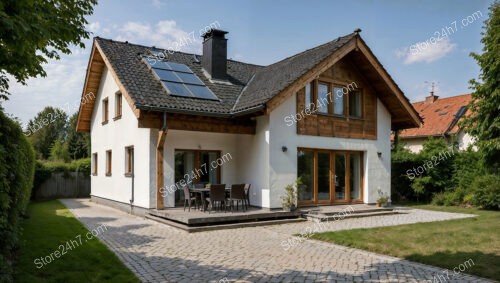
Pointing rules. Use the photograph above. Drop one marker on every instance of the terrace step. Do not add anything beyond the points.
(334, 216)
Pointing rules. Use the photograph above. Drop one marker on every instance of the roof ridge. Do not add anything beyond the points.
(179, 52)
(443, 98)
(310, 49)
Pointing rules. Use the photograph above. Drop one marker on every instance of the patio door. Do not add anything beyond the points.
(329, 176)
(195, 167)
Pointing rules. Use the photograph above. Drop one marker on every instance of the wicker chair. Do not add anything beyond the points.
(237, 194)
(217, 197)
(188, 198)
(247, 194)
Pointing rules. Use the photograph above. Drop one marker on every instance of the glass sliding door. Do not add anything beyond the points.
(184, 166)
(323, 176)
(305, 171)
(355, 175)
(340, 177)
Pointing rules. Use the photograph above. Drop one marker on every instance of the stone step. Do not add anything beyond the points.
(324, 217)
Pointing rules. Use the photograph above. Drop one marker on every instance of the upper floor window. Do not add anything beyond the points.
(355, 104)
(334, 99)
(105, 112)
(118, 105)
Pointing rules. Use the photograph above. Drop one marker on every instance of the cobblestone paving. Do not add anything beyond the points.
(159, 253)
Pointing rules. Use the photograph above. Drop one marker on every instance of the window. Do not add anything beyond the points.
(108, 162)
(355, 104)
(94, 164)
(309, 98)
(105, 112)
(338, 101)
(118, 105)
(323, 97)
(129, 161)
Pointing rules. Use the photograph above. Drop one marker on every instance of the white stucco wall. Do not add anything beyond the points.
(465, 140)
(283, 165)
(115, 136)
(414, 145)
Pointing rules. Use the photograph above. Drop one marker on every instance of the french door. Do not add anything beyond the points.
(329, 176)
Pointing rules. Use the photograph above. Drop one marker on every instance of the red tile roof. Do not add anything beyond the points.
(439, 116)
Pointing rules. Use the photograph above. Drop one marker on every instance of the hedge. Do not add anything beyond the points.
(17, 166)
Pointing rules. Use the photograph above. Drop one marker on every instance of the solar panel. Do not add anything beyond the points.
(179, 80)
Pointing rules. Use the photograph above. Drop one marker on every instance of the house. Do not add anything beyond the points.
(441, 120)
(160, 119)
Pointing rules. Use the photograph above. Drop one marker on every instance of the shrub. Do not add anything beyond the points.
(17, 162)
(486, 191)
(401, 160)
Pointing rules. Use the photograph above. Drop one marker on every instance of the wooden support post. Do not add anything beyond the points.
(159, 169)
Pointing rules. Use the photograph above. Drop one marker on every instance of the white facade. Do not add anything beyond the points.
(463, 140)
(115, 136)
(256, 159)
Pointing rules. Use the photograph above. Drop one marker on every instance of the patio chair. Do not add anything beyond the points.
(217, 197)
(237, 194)
(188, 198)
(247, 194)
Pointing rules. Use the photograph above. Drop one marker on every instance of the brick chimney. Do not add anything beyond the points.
(431, 98)
(214, 59)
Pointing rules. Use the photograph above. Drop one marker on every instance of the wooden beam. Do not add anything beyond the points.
(159, 169)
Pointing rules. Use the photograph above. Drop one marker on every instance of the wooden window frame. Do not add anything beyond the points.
(129, 162)
(118, 105)
(332, 200)
(109, 162)
(362, 98)
(94, 164)
(105, 111)
(196, 164)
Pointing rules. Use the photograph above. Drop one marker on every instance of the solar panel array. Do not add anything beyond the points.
(179, 80)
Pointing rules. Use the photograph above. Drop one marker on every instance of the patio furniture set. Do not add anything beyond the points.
(219, 197)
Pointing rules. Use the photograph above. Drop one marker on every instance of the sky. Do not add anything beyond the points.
(418, 42)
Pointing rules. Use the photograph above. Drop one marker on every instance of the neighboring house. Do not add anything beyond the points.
(441, 117)
(156, 124)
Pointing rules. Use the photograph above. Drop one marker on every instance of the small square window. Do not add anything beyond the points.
(94, 164)
(108, 162)
(105, 112)
(118, 106)
(129, 161)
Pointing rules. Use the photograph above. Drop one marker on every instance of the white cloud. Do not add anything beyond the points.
(426, 51)
(94, 27)
(164, 34)
(158, 3)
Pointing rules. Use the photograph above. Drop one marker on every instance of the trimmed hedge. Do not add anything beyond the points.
(17, 167)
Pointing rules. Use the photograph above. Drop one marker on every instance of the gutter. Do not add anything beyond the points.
(203, 113)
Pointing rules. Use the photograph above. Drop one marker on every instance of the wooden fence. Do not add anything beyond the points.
(64, 185)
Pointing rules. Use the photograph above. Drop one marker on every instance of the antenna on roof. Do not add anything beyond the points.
(433, 87)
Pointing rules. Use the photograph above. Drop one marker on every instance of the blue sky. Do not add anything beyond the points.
(263, 32)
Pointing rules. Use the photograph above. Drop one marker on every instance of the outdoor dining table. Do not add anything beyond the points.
(202, 192)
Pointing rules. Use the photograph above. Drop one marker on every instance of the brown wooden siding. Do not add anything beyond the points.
(341, 74)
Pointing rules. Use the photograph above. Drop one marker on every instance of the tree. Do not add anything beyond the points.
(484, 119)
(59, 152)
(48, 126)
(32, 31)
(78, 143)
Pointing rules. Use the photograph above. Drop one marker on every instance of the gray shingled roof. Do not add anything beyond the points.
(251, 85)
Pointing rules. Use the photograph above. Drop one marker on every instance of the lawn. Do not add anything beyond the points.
(53, 233)
(445, 244)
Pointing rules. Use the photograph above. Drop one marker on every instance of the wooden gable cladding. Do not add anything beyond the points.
(186, 122)
(92, 81)
(328, 125)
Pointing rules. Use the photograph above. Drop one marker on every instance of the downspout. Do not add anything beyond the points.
(133, 182)
(162, 130)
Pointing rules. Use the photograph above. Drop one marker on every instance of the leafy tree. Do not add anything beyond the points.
(59, 152)
(78, 143)
(484, 120)
(48, 126)
(32, 31)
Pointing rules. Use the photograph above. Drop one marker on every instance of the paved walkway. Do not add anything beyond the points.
(158, 253)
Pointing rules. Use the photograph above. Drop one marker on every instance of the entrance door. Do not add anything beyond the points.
(339, 178)
(324, 176)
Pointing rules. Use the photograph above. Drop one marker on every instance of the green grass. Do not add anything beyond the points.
(50, 225)
(445, 243)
